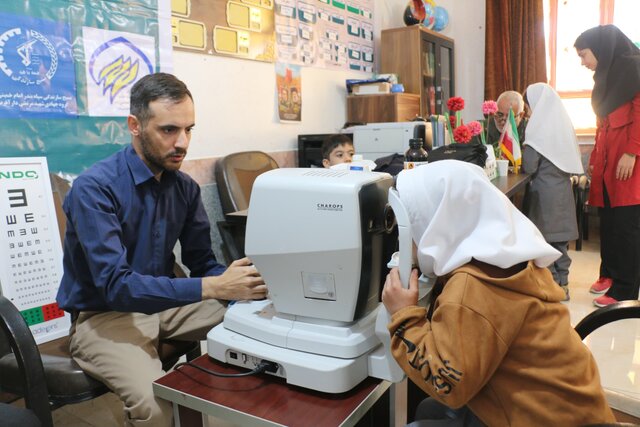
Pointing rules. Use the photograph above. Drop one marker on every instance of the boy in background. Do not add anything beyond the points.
(337, 148)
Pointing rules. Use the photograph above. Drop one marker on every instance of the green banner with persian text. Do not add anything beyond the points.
(66, 69)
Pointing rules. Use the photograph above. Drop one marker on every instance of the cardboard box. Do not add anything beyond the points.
(371, 88)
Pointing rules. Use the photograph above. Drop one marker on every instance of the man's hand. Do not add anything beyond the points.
(394, 296)
(624, 170)
(240, 281)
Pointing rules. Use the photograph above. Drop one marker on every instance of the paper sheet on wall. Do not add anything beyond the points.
(115, 60)
(31, 252)
(37, 77)
(325, 33)
(289, 87)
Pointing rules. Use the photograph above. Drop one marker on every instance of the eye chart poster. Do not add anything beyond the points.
(30, 248)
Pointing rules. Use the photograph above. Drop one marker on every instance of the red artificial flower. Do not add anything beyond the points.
(455, 103)
(475, 127)
(452, 121)
(462, 134)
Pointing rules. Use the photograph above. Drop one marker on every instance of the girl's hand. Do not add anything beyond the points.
(394, 296)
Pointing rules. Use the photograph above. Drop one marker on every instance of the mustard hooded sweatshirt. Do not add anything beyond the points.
(499, 340)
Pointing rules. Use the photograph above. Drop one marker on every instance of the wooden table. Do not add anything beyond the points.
(512, 183)
(265, 400)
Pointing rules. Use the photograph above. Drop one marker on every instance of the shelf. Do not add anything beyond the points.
(391, 107)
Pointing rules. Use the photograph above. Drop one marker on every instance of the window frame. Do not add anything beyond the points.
(606, 17)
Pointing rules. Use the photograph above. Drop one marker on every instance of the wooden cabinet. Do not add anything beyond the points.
(423, 61)
(388, 107)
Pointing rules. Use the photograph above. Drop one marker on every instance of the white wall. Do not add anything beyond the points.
(236, 100)
(236, 105)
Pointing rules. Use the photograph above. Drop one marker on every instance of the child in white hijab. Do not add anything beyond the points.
(551, 155)
(496, 338)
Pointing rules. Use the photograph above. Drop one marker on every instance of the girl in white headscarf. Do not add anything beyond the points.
(551, 155)
(496, 338)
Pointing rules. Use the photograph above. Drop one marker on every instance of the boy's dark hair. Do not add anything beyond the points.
(152, 87)
(332, 141)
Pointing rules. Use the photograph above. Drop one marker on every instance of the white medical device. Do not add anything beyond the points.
(320, 238)
(375, 140)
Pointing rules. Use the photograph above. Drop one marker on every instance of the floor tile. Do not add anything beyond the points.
(616, 346)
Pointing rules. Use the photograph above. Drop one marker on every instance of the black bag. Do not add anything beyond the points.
(391, 164)
(472, 153)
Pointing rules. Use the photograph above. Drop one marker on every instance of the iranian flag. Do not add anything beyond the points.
(510, 142)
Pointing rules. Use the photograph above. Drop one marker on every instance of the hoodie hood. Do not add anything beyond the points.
(532, 281)
(457, 215)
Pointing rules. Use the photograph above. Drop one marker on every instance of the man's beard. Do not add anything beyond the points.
(155, 161)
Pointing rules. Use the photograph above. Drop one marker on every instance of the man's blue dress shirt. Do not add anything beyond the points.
(122, 226)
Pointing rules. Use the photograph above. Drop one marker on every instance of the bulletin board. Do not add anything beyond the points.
(237, 28)
(30, 248)
(66, 70)
(334, 34)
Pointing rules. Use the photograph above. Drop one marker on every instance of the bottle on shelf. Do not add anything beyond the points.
(416, 155)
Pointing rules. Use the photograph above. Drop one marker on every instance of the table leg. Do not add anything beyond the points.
(399, 403)
(186, 417)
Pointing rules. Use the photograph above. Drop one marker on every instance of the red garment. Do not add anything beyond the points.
(618, 133)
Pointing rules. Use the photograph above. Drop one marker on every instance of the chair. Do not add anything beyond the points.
(64, 380)
(18, 337)
(602, 316)
(611, 313)
(235, 174)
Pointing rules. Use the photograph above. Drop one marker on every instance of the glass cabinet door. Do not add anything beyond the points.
(445, 81)
(437, 74)
(428, 78)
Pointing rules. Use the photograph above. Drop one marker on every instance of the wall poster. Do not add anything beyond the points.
(237, 28)
(31, 252)
(38, 73)
(66, 68)
(334, 34)
(289, 87)
(325, 33)
(115, 61)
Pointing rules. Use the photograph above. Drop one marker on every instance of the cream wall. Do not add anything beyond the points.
(236, 101)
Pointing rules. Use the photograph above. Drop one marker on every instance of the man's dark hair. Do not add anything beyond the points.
(332, 141)
(152, 87)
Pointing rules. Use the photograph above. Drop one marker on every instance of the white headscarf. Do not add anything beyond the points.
(550, 131)
(457, 214)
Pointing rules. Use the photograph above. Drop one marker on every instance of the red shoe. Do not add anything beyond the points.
(604, 300)
(601, 285)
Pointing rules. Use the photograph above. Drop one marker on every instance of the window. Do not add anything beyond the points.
(565, 21)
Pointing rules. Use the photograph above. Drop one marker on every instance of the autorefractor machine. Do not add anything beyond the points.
(321, 240)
